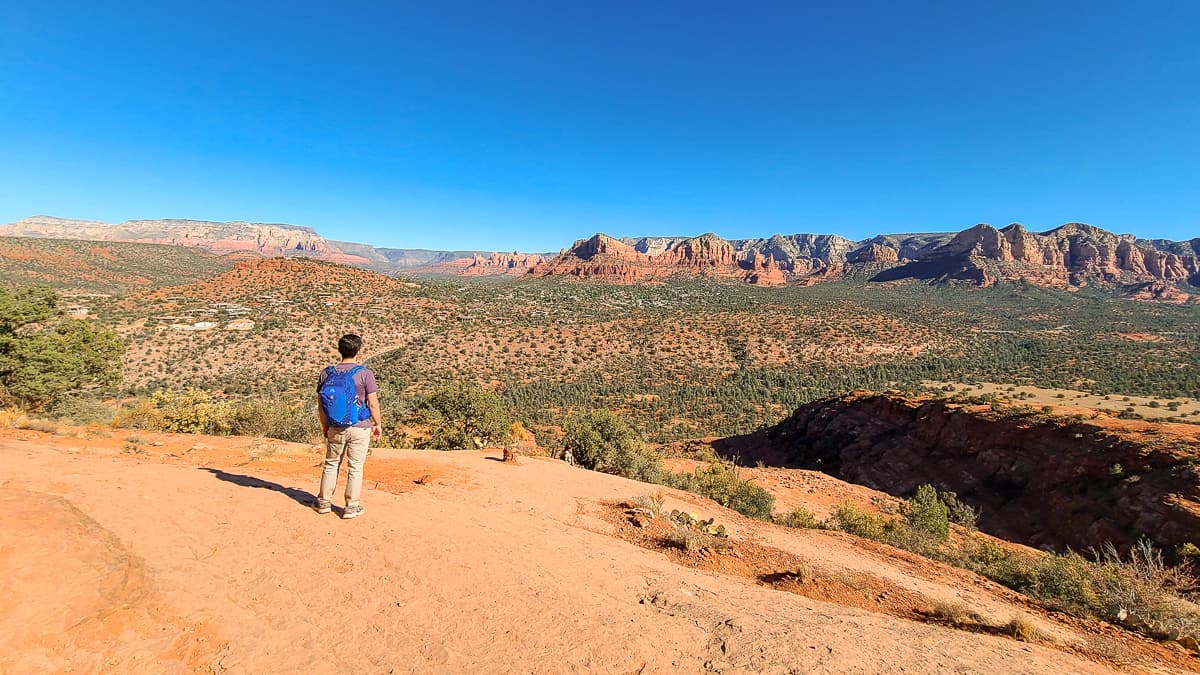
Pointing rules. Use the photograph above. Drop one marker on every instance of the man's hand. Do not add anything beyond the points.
(376, 431)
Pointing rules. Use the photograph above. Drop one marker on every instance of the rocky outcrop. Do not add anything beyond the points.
(1047, 481)
(909, 246)
(800, 254)
(764, 271)
(1189, 247)
(705, 251)
(1068, 256)
(1158, 291)
(652, 245)
(874, 253)
(515, 263)
(605, 258)
(603, 245)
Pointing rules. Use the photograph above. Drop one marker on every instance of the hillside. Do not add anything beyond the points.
(112, 268)
(264, 321)
(459, 564)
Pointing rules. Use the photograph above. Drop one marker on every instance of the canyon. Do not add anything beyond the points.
(1110, 481)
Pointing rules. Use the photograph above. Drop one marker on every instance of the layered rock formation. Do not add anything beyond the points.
(1067, 256)
(1189, 247)
(1110, 480)
(800, 254)
(874, 253)
(514, 263)
(764, 271)
(603, 257)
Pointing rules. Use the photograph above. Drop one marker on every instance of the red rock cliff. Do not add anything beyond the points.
(1047, 481)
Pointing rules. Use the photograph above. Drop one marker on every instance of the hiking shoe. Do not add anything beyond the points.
(352, 512)
(322, 506)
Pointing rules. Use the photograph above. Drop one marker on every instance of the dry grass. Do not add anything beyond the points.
(955, 614)
(651, 502)
(692, 541)
(36, 424)
(1022, 628)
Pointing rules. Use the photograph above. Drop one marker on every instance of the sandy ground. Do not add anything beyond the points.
(178, 557)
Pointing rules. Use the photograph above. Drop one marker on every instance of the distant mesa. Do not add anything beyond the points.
(238, 240)
(1069, 257)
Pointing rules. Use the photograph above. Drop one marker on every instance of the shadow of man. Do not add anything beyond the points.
(301, 496)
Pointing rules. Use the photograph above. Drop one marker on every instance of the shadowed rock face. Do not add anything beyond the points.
(1190, 247)
(1066, 256)
(1045, 481)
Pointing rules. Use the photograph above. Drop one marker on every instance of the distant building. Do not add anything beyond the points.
(203, 325)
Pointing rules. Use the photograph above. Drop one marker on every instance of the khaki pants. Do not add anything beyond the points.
(350, 443)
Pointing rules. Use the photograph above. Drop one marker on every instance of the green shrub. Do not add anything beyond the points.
(81, 409)
(276, 419)
(721, 484)
(601, 441)
(800, 518)
(927, 514)
(191, 412)
(959, 512)
(986, 557)
(45, 356)
(1064, 581)
(463, 416)
(851, 519)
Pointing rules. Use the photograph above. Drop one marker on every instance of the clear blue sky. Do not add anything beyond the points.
(527, 125)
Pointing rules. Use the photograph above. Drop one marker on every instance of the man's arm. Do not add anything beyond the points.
(376, 418)
(321, 414)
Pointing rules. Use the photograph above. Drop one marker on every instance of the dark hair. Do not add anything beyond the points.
(349, 345)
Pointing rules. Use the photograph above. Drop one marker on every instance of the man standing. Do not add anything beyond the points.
(349, 410)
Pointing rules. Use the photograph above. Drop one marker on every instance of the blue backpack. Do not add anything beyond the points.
(339, 398)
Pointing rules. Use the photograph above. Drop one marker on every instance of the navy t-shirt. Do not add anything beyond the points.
(364, 385)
